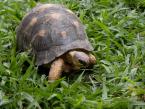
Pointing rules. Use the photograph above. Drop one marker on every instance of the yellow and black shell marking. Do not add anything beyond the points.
(51, 30)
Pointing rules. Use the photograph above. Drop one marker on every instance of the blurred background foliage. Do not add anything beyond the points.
(116, 31)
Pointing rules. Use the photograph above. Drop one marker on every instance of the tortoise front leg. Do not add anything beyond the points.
(56, 69)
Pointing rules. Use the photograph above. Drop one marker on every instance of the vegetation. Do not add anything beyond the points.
(116, 29)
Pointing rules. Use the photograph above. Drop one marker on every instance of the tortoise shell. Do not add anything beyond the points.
(50, 30)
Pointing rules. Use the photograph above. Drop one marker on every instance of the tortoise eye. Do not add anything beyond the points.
(82, 63)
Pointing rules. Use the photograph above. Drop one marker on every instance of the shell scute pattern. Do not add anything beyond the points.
(51, 30)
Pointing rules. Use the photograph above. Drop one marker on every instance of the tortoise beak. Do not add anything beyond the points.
(92, 59)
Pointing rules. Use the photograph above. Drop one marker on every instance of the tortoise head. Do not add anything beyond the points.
(80, 58)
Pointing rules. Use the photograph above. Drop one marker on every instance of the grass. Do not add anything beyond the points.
(116, 29)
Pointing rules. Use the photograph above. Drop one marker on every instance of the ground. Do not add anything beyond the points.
(116, 29)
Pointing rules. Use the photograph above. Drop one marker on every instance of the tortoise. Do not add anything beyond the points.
(55, 36)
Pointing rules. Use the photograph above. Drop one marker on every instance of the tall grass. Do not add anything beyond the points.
(115, 29)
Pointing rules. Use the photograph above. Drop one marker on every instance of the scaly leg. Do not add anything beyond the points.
(56, 69)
